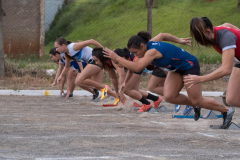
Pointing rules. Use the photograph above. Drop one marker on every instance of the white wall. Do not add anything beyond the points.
(51, 9)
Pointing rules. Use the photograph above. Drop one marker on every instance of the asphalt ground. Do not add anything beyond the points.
(53, 128)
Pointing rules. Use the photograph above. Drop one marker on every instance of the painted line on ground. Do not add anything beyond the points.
(77, 93)
(160, 123)
(207, 135)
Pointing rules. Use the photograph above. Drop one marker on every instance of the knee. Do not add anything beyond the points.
(69, 78)
(150, 87)
(126, 91)
(196, 102)
(78, 81)
(169, 98)
(231, 101)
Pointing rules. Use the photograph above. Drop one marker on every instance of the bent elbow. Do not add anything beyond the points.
(227, 71)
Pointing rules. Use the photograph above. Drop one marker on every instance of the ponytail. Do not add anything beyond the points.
(69, 57)
(62, 41)
(123, 52)
(98, 53)
(198, 27)
(136, 40)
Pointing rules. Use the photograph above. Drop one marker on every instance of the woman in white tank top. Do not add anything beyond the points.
(92, 74)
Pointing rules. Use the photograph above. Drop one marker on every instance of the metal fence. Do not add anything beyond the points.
(77, 20)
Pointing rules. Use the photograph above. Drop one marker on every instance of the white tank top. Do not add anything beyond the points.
(84, 54)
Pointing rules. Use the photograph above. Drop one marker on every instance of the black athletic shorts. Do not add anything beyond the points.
(237, 65)
(91, 61)
(159, 73)
(195, 70)
(139, 73)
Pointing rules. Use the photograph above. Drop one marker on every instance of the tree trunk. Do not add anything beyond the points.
(149, 4)
(238, 5)
(1, 43)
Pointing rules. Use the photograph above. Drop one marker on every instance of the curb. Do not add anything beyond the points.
(78, 93)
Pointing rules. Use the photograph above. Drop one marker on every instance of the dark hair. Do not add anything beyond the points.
(122, 52)
(62, 41)
(98, 52)
(53, 52)
(136, 40)
(198, 27)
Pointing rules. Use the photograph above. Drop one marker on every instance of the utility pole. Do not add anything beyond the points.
(149, 4)
(238, 5)
(1, 43)
(42, 29)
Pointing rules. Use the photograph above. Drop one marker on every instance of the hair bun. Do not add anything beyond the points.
(144, 35)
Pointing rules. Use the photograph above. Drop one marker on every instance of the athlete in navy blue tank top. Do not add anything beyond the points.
(174, 59)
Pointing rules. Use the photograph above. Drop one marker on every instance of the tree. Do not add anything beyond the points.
(238, 5)
(1, 43)
(149, 4)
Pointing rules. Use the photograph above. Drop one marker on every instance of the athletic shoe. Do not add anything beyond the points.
(227, 118)
(65, 94)
(104, 92)
(95, 96)
(157, 102)
(177, 107)
(197, 113)
(145, 108)
(116, 101)
(187, 110)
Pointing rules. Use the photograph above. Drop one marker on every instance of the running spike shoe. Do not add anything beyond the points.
(104, 92)
(157, 102)
(145, 108)
(227, 117)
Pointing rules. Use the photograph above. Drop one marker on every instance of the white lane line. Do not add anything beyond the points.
(126, 115)
(79, 158)
(208, 135)
(109, 157)
(73, 135)
(62, 124)
(160, 123)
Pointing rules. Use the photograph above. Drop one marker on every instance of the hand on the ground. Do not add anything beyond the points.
(61, 92)
(109, 53)
(191, 80)
(122, 98)
(185, 41)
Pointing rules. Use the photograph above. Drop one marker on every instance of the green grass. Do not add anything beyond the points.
(30, 62)
(112, 23)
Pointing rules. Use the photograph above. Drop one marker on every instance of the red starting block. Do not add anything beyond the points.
(109, 105)
(135, 105)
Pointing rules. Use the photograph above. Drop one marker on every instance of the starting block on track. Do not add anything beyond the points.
(160, 109)
(109, 105)
(232, 126)
(135, 104)
(209, 114)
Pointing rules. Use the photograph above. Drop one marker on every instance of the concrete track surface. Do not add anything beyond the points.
(53, 128)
